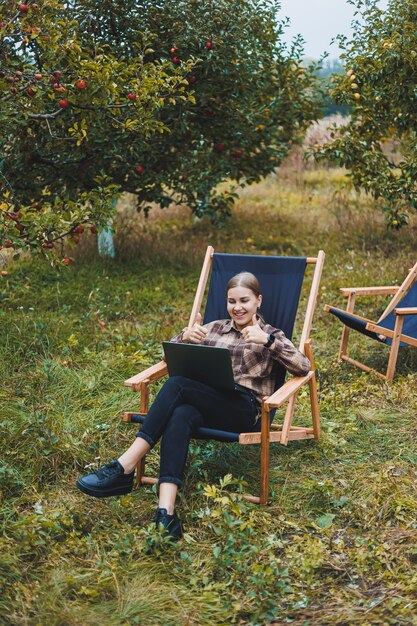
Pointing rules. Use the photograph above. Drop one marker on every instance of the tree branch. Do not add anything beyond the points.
(45, 116)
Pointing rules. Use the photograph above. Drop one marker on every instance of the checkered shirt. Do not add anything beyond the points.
(254, 366)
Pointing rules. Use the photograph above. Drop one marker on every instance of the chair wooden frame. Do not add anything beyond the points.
(397, 336)
(287, 393)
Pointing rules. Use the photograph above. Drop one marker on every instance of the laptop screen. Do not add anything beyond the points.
(210, 365)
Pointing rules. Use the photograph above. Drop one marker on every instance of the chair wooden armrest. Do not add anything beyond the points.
(150, 374)
(369, 291)
(406, 311)
(287, 390)
(411, 341)
(379, 330)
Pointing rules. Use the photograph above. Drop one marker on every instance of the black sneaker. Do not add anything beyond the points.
(170, 523)
(109, 480)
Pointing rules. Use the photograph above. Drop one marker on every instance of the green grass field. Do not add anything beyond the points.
(337, 545)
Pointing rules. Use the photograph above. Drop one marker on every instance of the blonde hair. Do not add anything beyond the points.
(245, 279)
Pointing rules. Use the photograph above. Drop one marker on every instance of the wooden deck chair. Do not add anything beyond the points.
(396, 327)
(281, 279)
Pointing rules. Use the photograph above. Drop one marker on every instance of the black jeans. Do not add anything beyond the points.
(181, 406)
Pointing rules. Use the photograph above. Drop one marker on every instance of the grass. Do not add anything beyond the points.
(337, 543)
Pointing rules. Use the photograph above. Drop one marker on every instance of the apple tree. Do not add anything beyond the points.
(379, 143)
(71, 111)
(164, 99)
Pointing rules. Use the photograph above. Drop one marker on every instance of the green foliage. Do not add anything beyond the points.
(379, 144)
(164, 100)
(246, 553)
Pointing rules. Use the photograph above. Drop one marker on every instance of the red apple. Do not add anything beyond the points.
(64, 104)
(173, 51)
(30, 91)
(220, 147)
(131, 96)
(67, 260)
(38, 76)
(19, 74)
(93, 229)
(209, 45)
(191, 79)
(57, 74)
(139, 169)
(4, 273)
(81, 84)
(14, 90)
(79, 230)
(23, 8)
(2, 24)
(175, 60)
(238, 153)
(8, 243)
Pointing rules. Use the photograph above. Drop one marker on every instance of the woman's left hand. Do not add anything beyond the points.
(254, 333)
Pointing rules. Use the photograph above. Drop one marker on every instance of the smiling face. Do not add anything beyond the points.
(242, 303)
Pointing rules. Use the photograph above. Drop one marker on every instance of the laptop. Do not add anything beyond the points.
(207, 364)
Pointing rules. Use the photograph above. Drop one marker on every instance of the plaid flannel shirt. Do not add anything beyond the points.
(254, 365)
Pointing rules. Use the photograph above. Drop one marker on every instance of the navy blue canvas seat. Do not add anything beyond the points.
(397, 326)
(356, 323)
(281, 280)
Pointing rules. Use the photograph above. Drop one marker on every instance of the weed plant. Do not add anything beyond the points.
(336, 545)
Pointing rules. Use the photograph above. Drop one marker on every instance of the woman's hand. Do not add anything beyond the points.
(195, 333)
(254, 333)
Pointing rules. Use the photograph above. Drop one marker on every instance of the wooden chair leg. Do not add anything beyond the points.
(314, 401)
(265, 428)
(345, 332)
(144, 407)
(144, 396)
(392, 361)
(286, 425)
(140, 471)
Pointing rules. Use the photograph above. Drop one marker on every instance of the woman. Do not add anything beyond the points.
(182, 404)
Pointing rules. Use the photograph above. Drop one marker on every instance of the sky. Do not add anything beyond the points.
(318, 21)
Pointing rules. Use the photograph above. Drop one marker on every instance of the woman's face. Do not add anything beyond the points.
(241, 306)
